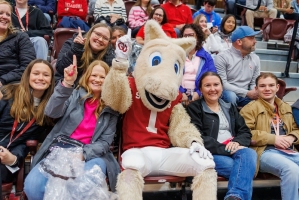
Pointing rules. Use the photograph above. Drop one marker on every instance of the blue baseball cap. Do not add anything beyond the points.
(243, 31)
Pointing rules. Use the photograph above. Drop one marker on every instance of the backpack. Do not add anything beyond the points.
(72, 8)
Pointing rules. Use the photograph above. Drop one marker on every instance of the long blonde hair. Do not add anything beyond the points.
(148, 6)
(87, 56)
(83, 82)
(197, 19)
(10, 29)
(22, 108)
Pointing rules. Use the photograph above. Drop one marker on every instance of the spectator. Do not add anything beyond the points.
(283, 7)
(274, 133)
(111, 12)
(22, 114)
(223, 36)
(45, 6)
(210, 44)
(295, 5)
(80, 111)
(198, 61)
(139, 15)
(117, 32)
(16, 49)
(238, 67)
(88, 47)
(295, 109)
(213, 18)
(265, 10)
(32, 21)
(159, 15)
(178, 14)
(226, 136)
(230, 5)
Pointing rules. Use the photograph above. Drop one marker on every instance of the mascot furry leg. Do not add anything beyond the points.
(130, 185)
(204, 185)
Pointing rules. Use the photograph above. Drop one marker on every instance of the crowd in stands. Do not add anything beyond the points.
(243, 124)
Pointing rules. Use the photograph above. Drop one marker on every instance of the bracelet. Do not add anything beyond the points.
(68, 83)
(14, 162)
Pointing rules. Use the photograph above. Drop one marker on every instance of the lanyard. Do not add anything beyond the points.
(21, 133)
(276, 129)
(20, 21)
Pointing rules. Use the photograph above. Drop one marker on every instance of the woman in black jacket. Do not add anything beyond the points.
(87, 47)
(22, 114)
(226, 136)
(16, 48)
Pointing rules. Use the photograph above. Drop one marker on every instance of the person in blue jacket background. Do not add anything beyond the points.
(45, 6)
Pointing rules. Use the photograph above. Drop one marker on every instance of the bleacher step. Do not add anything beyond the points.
(278, 66)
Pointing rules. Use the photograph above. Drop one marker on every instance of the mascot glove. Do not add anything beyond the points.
(200, 150)
(123, 48)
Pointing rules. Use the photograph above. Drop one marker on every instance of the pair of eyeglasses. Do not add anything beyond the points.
(189, 35)
(100, 35)
(158, 15)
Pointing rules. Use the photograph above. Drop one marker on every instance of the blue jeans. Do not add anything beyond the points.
(284, 166)
(48, 17)
(231, 97)
(36, 182)
(40, 46)
(239, 169)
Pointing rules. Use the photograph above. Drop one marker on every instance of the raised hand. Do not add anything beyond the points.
(79, 39)
(70, 73)
(123, 47)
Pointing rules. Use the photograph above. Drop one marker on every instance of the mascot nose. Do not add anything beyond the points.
(162, 89)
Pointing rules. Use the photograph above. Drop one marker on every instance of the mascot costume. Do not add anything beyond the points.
(158, 138)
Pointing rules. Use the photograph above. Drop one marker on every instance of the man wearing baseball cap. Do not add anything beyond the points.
(238, 67)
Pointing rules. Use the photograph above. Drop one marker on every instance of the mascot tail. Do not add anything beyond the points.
(204, 185)
(130, 185)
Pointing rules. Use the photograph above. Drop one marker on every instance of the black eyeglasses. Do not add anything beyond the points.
(100, 35)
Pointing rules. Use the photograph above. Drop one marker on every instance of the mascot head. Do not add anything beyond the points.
(159, 67)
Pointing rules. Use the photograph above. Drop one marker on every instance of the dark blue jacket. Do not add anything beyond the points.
(206, 64)
(44, 5)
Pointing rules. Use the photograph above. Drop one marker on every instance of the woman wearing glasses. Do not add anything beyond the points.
(87, 47)
(159, 15)
(198, 61)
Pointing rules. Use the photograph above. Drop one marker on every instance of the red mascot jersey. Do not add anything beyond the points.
(143, 127)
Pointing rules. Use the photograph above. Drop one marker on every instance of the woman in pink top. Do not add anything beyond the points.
(139, 15)
(84, 117)
(198, 61)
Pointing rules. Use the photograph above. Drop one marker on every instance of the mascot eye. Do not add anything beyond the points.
(155, 58)
(177, 68)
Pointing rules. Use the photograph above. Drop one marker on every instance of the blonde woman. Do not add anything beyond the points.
(84, 118)
(16, 49)
(87, 47)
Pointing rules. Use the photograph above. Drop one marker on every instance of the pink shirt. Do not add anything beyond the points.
(85, 129)
(137, 17)
(191, 68)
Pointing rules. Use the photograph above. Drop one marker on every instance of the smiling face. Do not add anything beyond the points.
(5, 18)
(267, 88)
(115, 36)
(158, 15)
(40, 78)
(96, 80)
(229, 24)
(99, 39)
(203, 22)
(211, 88)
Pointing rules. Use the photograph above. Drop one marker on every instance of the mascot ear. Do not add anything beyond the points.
(186, 43)
(153, 30)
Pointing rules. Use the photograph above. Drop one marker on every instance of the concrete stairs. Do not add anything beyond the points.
(273, 55)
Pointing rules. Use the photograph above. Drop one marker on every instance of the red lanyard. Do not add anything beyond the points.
(21, 133)
(276, 129)
(20, 21)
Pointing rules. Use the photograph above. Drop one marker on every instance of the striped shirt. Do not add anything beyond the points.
(103, 8)
(137, 17)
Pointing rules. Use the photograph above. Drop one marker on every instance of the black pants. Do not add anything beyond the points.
(6, 176)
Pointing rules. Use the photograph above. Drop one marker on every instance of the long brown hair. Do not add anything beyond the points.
(22, 108)
(10, 29)
(148, 6)
(83, 82)
(87, 56)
